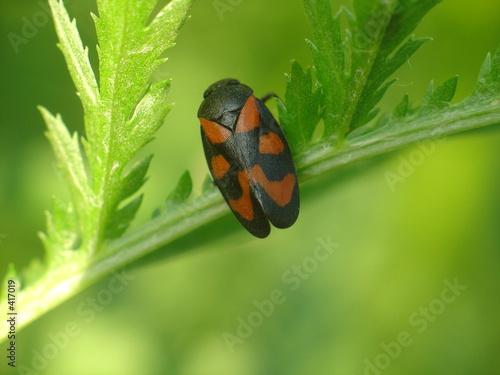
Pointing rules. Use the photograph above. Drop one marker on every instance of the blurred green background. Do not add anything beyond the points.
(398, 247)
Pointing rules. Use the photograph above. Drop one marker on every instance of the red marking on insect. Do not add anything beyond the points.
(220, 166)
(279, 191)
(214, 132)
(243, 205)
(249, 116)
(271, 143)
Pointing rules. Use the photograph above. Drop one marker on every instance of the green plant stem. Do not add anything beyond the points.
(322, 157)
(76, 275)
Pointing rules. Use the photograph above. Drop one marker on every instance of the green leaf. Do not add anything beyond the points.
(375, 87)
(352, 71)
(134, 178)
(182, 191)
(129, 53)
(488, 82)
(70, 161)
(122, 218)
(300, 118)
(148, 116)
(133, 110)
(436, 116)
(441, 97)
(121, 115)
(62, 228)
(365, 111)
(405, 16)
(76, 56)
(179, 195)
(401, 109)
(329, 60)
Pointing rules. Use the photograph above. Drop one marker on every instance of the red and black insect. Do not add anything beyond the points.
(248, 157)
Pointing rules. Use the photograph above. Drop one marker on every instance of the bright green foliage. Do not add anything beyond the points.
(182, 191)
(300, 117)
(122, 113)
(178, 196)
(488, 84)
(352, 69)
(435, 117)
